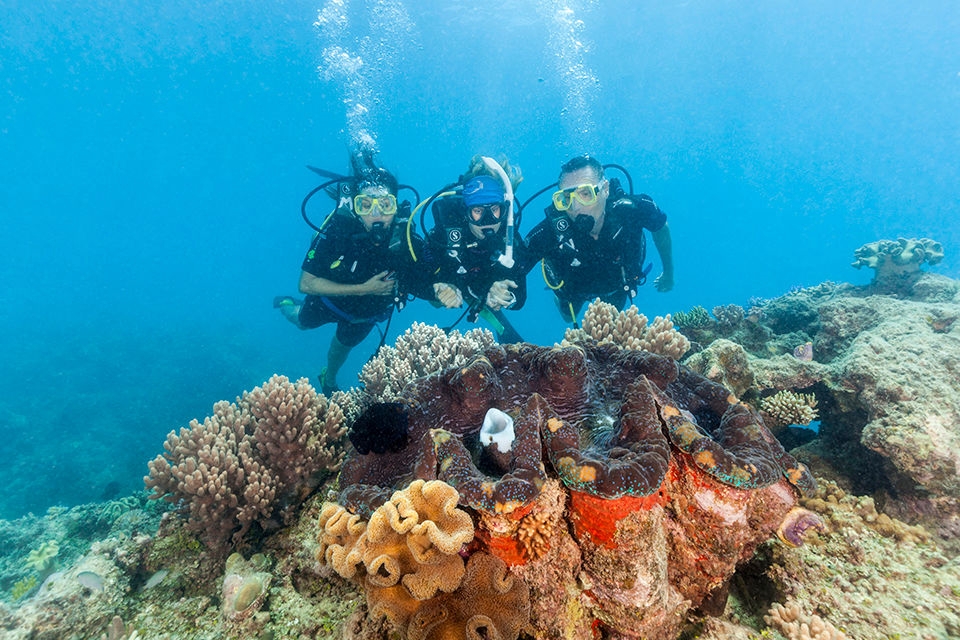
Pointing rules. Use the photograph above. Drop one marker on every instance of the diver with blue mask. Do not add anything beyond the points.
(362, 263)
(479, 260)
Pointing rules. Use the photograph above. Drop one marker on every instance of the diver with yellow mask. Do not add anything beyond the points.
(362, 263)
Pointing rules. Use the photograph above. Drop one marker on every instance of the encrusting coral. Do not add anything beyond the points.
(629, 329)
(251, 460)
(793, 623)
(787, 407)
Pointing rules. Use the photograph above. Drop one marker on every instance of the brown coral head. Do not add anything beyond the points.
(796, 524)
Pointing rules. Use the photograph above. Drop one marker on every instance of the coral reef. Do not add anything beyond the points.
(794, 624)
(559, 561)
(629, 329)
(245, 585)
(896, 263)
(677, 483)
(884, 380)
(420, 350)
(787, 407)
(252, 460)
(867, 574)
(726, 363)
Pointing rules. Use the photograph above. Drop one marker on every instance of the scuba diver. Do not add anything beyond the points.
(362, 263)
(478, 259)
(592, 243)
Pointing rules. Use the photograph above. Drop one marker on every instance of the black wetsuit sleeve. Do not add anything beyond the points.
(418, 276)
(538, 243)
(319, 256)
(650, 216)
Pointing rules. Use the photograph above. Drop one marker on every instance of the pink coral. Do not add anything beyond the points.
(249, 461)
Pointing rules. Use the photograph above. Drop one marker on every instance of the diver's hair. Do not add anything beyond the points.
(478, 167)
(579, 162)
(367, 174)
(378, 177)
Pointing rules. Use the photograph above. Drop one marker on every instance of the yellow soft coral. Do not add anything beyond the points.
(413, 540)
(416, 537)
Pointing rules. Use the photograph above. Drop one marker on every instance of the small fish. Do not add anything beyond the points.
(804, 352)
(90, 580)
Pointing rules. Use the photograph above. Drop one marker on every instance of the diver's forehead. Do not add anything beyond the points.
(582, 175)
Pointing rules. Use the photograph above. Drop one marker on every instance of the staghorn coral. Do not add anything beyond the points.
(629, 329)
(422, 349)
(249, 461)
(786, 407)
(793, 623)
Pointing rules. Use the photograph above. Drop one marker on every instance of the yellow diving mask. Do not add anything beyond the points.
(364, 204)
(586, 194)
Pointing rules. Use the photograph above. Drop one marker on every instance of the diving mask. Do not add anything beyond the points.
(586, 194)
(485, 214)
(363, 204)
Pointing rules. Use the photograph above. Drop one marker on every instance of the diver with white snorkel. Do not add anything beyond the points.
(478, 256)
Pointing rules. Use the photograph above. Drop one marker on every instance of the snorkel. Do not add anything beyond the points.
(505, 258)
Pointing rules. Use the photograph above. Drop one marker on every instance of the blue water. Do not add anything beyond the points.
(153, 163)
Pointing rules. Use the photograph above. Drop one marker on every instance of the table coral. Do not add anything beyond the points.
(668, 480)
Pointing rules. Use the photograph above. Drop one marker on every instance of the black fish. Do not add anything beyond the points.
(381, 428)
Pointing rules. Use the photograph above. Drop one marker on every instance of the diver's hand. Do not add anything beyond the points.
(500, 294)
(381, 284)
(664, 282)
(448, 295)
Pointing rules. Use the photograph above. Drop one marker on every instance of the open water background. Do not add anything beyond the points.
(152, 164)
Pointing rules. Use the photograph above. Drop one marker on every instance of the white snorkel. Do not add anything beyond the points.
(505, 258)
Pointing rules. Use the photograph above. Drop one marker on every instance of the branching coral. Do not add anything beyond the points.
(729, 316)
(697, 318)
(629, 329)
(250, 460)
(422, 349)
(787, 407)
